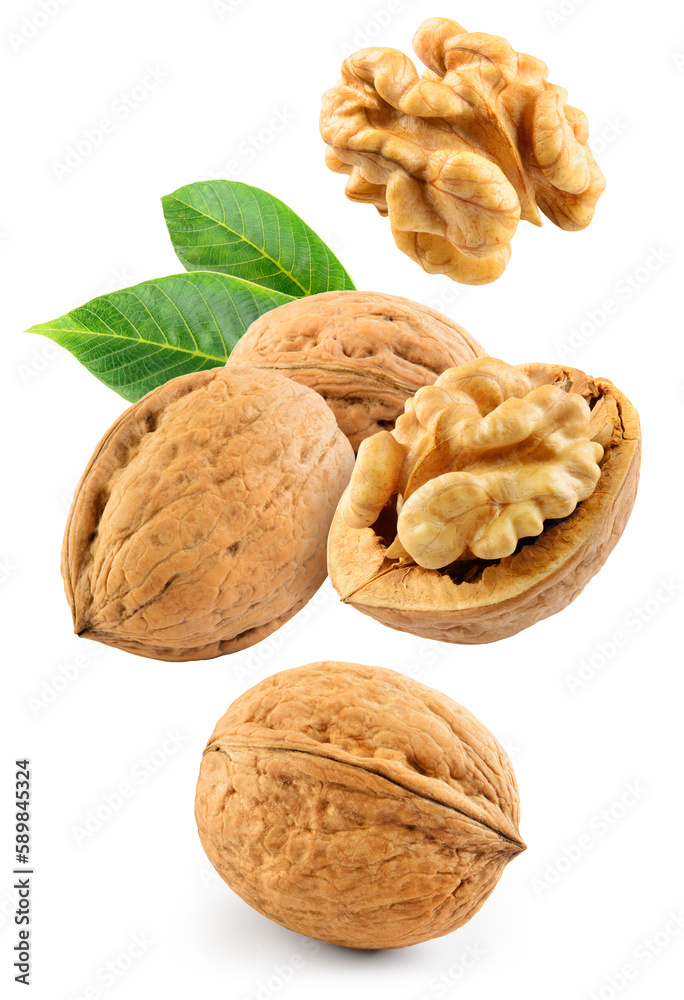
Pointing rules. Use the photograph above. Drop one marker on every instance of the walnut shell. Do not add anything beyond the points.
(458, 155)
(199, 525)
(477, 600)
(354, 805)
(366, 353)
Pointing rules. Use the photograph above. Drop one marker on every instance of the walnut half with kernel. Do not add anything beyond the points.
(357, 806)
(498, 495)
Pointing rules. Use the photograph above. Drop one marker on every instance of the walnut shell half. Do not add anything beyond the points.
(356, 806)
(364, 352)
(477, 555)
(199, 525)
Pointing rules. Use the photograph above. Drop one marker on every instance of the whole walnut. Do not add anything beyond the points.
(496, 498)
(458, 155)
(200, 522)
(356, 806)
(366, 353)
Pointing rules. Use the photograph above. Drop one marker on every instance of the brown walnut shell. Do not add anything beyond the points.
(497, 598)
(366, 353)
(199, 525)
(356, 806)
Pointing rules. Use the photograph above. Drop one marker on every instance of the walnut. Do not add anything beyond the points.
(364, 352)
(499, 494)
(199, 525)
(353, 805)
(458, 155)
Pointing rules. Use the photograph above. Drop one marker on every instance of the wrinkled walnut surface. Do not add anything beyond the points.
(364, 352)
(356, 806)
(199, 525)
(458, 155)
(473, 599)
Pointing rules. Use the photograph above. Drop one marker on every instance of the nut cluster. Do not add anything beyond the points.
(478, 460)
(458, 155)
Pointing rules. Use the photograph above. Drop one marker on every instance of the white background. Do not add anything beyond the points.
(554, 926)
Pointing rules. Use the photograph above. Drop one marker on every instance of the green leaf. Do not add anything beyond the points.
(137, 338)
(237, 229)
